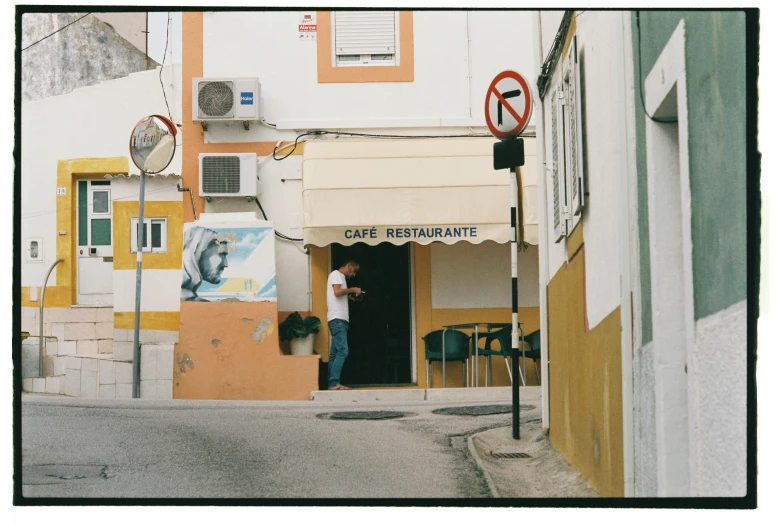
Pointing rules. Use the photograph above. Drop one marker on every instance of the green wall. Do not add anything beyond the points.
(716, 97)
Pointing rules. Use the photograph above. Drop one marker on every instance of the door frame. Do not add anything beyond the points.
(413, 324)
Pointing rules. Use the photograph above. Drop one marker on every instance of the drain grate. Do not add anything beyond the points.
(361, 415)
(502, 455)
(493, 409)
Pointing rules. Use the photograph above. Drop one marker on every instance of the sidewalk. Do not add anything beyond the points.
(544, 474)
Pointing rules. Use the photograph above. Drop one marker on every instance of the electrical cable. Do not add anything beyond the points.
(54, 33)
(640, 73)
(277, 233)
(546, 72)
(165, 51)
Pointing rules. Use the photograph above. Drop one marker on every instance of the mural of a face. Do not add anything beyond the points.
(204, 258)
(213, 262)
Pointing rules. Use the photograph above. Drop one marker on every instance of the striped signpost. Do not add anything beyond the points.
(508, 108)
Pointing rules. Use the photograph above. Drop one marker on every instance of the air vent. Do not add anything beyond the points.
(221, 174)
(215, 99)
(228, 175)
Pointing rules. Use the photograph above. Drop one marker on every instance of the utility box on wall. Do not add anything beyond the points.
(229, 322)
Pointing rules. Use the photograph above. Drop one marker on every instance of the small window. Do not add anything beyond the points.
(155, 229)
(363, 38)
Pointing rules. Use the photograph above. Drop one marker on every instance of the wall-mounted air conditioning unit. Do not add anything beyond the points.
(227, 175)
(226, 100)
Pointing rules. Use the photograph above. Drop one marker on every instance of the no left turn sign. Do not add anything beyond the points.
(508, 105)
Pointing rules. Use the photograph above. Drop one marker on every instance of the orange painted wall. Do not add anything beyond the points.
(228, 364)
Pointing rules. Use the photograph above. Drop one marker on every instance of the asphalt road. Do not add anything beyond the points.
(258, 450)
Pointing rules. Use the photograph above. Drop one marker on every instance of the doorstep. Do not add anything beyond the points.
(490, 394)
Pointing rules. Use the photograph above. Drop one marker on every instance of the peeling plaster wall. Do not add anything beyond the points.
(86, 53)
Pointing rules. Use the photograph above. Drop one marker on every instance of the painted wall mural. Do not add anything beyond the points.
(228, 263)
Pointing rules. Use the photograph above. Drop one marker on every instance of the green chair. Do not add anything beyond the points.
(503, 335)
(456, 349)
(534, 353)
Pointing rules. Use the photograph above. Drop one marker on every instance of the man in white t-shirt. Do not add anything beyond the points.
(339, 318)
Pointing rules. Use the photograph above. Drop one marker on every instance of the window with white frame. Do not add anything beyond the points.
(567, 147)
(155, 235)
(361, 38)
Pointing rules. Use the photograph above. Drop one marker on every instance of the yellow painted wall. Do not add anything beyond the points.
(124, 211)
(162, 320)
(585, 382)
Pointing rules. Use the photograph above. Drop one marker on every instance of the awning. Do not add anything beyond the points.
(405, 190)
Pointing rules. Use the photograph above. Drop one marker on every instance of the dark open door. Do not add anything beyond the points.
(379, 335)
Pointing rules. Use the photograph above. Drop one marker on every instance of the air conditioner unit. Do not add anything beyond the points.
(227, 174)
(226, 100)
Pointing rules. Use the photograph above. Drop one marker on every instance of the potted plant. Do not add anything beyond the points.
(300, 332)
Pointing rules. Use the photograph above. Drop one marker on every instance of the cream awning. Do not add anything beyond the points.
(405, 190)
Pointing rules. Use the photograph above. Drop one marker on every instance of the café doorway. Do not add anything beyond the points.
(380, 336)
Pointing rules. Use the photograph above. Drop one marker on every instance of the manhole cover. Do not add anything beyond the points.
(501, 455)
(361, 415)
(472, 411)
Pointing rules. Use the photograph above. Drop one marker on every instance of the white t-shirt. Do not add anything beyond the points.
(337, 306)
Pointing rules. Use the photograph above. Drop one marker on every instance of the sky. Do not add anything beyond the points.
(157, 37)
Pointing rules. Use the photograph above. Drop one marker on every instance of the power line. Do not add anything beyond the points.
(54, 33)
(165, 51)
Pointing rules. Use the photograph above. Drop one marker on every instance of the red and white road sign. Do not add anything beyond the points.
(508, 104)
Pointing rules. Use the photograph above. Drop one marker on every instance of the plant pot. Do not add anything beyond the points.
(303, 346)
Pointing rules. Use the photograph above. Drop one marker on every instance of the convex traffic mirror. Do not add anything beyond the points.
(152, 143)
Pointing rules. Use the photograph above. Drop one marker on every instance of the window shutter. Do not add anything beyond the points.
(558, 167)
(574, 133)
(365, 32)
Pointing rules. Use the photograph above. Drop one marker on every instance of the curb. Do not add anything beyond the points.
(479, 462)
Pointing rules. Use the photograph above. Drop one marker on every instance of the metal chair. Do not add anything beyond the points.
(534, 352)
(503, 335)
(455, 344)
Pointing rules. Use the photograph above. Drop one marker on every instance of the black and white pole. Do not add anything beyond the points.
(514, 331)
(137, 319)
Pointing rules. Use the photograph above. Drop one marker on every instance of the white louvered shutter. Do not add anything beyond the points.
(574, 133)
(558, 166)
(364, 33)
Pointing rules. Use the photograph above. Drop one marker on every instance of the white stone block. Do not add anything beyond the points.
(105, 314)
(123, 372)
(27, 384)
(105, 347)
(39, 385)
(107, 372)
(82, 315)
(52, 347)
(30, 312)
(60, 365)
(123, 351)
(56, 330)
(86, 347)
(73, 363)
(56, 314)
(124, 391)
(80, 331)
(165, 364)
(89, 383)
(90, 364)
(167, 337)
(66, 347)
(148, 363)
(165, 390)
(145, 336)
(148, 388)
(107, 391)
(120, 335)
(72, 382)
(104, 330)
(53, 385)
(30, 324)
